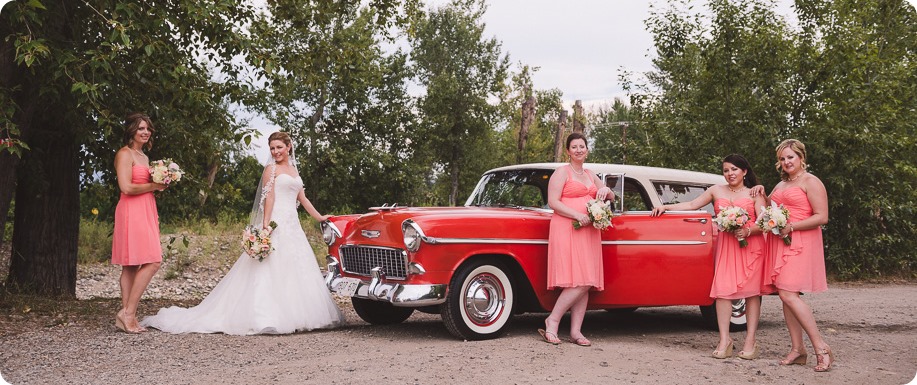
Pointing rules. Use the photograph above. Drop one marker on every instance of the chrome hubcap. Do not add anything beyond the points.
(484, 299)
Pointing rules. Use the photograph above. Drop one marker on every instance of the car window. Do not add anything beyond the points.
(635, 197)
(677, 192)
(525, 188)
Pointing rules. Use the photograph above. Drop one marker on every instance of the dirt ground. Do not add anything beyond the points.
(871, 327)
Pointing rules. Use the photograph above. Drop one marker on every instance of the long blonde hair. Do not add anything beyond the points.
(798, 148)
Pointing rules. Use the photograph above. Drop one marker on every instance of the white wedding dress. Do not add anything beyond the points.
(282, 294)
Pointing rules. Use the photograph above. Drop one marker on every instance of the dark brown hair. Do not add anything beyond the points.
(750, 180)
(132, 125)
(575, 136)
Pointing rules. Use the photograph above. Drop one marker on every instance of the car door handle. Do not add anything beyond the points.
(701, 220)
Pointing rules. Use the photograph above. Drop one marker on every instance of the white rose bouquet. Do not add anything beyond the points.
(165, 171)
(730, 219)
(599, 213)
(257, 242)
(774, 219)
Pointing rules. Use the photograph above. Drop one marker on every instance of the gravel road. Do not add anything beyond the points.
(871, 327)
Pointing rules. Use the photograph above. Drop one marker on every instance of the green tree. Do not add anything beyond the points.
(741, 80)
(857, 114)
(614, 133)
(461, 70)
(69, 72)
(548, 104)
(343, 98)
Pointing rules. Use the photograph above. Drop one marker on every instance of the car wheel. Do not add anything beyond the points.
(380, 313)
(479, 303)
(737, 321)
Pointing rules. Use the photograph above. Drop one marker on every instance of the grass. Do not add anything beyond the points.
(186, 243)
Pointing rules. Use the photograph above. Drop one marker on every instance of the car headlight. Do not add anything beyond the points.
(330, 233)
(413, 236)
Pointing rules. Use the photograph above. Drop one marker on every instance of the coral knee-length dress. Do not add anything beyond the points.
(799, 266)
(575, 255)
(136, 237)
(739, 271)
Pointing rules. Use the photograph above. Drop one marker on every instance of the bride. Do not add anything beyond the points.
(282, 294)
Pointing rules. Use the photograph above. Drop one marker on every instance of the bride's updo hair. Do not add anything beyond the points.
(281, 136)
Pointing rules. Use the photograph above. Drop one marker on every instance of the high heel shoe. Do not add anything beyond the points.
(820, 359)
(721, 354)
(749, 356)
(801, 358)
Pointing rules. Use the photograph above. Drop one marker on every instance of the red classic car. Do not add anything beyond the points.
(479, 264)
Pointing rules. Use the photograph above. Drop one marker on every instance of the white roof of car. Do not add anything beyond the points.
(650, 173)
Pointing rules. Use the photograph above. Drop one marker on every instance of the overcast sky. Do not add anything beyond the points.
(580, 45)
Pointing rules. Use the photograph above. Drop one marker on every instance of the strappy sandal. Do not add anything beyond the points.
(820, 358)
(544, 336)
(582, 341)
(800, 359)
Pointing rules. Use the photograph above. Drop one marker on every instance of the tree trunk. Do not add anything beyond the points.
(528, 115)
(579, 119)
(559, 136)
(8, 163)
(46, 227)
(211, 178)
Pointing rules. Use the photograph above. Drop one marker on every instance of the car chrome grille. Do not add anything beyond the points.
(361, 259)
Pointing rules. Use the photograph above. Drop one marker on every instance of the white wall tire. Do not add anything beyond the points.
(479, 304)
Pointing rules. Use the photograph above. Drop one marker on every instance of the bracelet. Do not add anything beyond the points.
(791, 228)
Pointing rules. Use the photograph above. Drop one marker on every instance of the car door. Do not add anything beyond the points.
(665, 260)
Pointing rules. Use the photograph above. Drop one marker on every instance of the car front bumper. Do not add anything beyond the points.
(402, 295)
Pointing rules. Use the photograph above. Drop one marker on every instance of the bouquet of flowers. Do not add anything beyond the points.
(731, 219)
(599, 213)
(257, 242)
(774, 219)
(165, 171)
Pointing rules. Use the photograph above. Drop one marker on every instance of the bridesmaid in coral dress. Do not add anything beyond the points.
(135, 242)
(739, 271)
(574, 255)
(799, 266)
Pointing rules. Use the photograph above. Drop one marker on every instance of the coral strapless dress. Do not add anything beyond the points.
(575, 256)
(799, 266)
(135, 240)
(739, 271)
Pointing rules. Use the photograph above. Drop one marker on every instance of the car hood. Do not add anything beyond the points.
(383, 227)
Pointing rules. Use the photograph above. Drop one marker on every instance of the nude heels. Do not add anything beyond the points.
(721, 354)
(749, 356)
(820, 355)
(800, 359)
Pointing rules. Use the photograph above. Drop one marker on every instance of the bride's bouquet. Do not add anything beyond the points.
(257, 242)
(165, 171)
(774, 219)
(599, 213)
(730, 219)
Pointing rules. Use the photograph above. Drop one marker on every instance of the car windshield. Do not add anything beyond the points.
(512, 188)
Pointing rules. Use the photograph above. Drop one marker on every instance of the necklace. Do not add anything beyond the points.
(796, 177)
(580, 172)
(736, 190)
(137, 151)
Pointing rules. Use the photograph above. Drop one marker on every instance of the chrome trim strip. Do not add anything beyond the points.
(395, 293)
(492, 241)
(643, 243)
(433, 241)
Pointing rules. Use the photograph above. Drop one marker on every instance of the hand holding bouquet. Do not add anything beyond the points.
(730, 219)
(599, 213)
(774, 219)
(165, 171)
(257, 242)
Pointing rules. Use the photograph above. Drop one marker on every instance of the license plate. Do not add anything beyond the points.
(348, 286)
